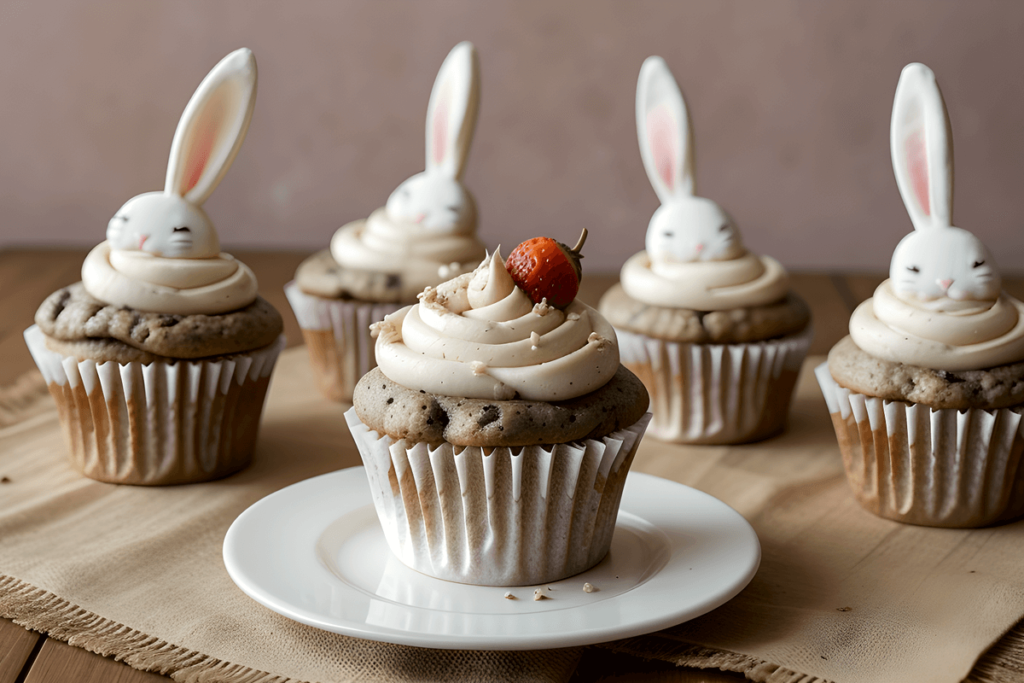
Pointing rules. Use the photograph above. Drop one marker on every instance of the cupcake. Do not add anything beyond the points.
(160, 358)
(425, 234)
(926, 393)
(498, 429)
(712, 330)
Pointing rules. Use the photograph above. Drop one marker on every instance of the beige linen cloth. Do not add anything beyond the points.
(841, 595)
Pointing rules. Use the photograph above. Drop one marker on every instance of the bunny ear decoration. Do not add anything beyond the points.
(922, 148)
(452, 110)
(663, 128)
(212, 128)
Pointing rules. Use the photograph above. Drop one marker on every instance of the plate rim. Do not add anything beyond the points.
(506, 641)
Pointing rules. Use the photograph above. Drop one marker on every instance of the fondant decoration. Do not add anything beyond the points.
(937, 266)
(172, 223)
(436, 198)
(685, 227)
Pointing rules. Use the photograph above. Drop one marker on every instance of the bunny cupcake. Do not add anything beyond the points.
(926, 393)
(425, 234)
(159, 360)
(711, 329)
(497, 430)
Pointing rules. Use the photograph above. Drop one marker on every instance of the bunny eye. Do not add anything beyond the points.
(120, 217)
(723, 227)
(668, 233)
(182, 230)
(978, 264)
(914, 269)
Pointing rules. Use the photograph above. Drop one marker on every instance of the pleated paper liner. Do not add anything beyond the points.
(914, 464)
(337, 334)
(716, 393)
(498, 516)
(160, 423)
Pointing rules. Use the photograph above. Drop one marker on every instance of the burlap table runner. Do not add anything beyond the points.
(841, 595)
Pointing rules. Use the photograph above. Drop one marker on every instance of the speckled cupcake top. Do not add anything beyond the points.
(389, 408)
(87, 327)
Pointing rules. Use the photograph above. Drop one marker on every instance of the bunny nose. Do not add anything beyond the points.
(700, 248)
(944, 284)
(142, 240)
(420, 217)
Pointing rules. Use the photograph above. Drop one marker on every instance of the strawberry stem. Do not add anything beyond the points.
(579, 245)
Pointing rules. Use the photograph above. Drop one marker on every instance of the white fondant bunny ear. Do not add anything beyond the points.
(452, 110)
(212, 128)
(663, 127)
(922, 148)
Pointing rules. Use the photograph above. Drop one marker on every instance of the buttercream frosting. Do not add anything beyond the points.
(421, 257)
(974, 336)
(748, 280)
(156, 284)
(480, 336)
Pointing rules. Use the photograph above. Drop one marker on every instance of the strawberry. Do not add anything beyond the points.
(546, 269)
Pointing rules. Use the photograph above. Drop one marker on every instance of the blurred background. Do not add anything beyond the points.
(790, 103)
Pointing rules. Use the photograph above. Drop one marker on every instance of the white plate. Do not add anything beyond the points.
(315, 553)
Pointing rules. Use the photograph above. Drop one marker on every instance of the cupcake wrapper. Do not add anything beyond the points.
(497, 516)
(913, 464)
(716, 393)
(159, 423)
(337, 334)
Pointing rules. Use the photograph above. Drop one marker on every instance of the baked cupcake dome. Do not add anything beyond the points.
(711, 329)
(424, 235)
(497, 433)
(925, 393)
(159, 360)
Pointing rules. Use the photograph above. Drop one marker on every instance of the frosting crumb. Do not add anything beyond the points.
(588, 588)
(543, 308)
(573, 317)
(509, 596)
(539, 595)
(478, 367)
(534, 340)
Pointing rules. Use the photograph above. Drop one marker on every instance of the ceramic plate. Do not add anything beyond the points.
(315, 553)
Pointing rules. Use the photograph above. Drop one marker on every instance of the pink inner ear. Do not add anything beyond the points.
(662, 137)
(440, 128)
(917, 167)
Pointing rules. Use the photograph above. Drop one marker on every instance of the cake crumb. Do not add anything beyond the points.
(588, 588)
(844, 609)
(387, 330)
(543, 308)
(509, 596)
(539, 595)
(5, 480)
(478, 367)
(601, 342)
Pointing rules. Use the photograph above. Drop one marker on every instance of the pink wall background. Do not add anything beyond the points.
(790, 103)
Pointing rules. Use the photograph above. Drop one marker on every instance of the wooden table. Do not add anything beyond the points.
(27, 277)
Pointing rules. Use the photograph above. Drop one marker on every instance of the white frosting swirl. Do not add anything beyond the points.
(748, 280)
(977, 336)
(155, 284)
(422, 257)
(480, 336)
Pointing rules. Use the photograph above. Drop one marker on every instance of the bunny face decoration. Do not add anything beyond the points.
(436, 198)
(172, 223)
(685, 228)
(937, 266)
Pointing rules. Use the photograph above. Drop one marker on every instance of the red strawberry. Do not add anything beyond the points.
(546, 269)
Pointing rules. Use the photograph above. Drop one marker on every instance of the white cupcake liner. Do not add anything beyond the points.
(165, 422)
(716, 393)
(497, 516)
(911, 463)
(337, 334)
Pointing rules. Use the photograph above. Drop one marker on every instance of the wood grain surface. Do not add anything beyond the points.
(27, 277)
